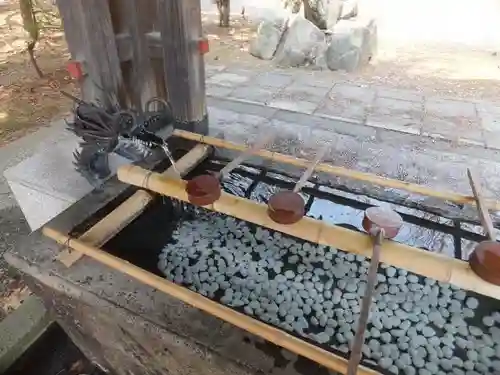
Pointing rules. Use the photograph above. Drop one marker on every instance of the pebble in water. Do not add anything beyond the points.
(390, 272)
(385, 362)
(475, 331)
(322, 337)
(488, 321)
(326, 309)
(472, 303)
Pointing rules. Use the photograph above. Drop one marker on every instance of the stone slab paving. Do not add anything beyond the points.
(315, 93)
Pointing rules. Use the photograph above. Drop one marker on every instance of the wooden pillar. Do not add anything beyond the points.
(89, 32)
(142, 74)
(183, 63)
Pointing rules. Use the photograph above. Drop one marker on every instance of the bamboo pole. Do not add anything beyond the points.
(484, 215)
(129, 210)
(341, 171)
(274, 335)
(110, 225)
(426, 263)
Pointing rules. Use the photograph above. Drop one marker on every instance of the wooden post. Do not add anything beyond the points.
(142, 81)
(183, 63)
(87, 23)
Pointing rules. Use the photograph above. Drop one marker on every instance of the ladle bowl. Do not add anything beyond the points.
(203, 190)
(485, 261)
(286, 207)
(376, 218)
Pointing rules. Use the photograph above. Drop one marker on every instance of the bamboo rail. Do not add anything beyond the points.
(274, 335)
(425, 263)
(341, 171)
(130, 209)
(109, 226)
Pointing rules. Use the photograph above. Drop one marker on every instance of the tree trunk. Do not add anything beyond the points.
(312, 12)
(224, 11)
(30, 25)
(225, 15)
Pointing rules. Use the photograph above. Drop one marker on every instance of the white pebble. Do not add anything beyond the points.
(488, 321)
(322, 337)
(475, 331)
(468, 313)
(385, 362)
(413, 279)
(469, 365)
(386, 337)
(428, 331)
(381, 278)
(487, 352)
(472, 303)
(496, 316)
(393, 289)
(418, 341)
(390, 272)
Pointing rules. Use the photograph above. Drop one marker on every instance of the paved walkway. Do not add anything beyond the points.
(314, 93)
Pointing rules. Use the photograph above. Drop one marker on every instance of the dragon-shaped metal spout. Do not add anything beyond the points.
(124, 132)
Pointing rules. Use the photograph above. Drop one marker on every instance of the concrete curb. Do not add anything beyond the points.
(20, 329)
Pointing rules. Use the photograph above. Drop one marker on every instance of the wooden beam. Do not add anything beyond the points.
(129, 210)
(484, 215)
(422, 262)
(341, 171)
(183, 63)
(267, 332)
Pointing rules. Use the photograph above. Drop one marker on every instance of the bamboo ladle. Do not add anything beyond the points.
(288, 207)
(485, 259)
(379, 223)
(205, 189)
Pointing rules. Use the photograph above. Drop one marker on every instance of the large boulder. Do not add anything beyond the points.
(293, 6)
(334, 13)
(302, 44)
(323, 13)
(349, 9)
(353, 44)
(268, 37)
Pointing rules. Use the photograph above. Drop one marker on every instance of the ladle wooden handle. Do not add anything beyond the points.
(246, 154)
(484, 215)
(359, 338)
(305, 176)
